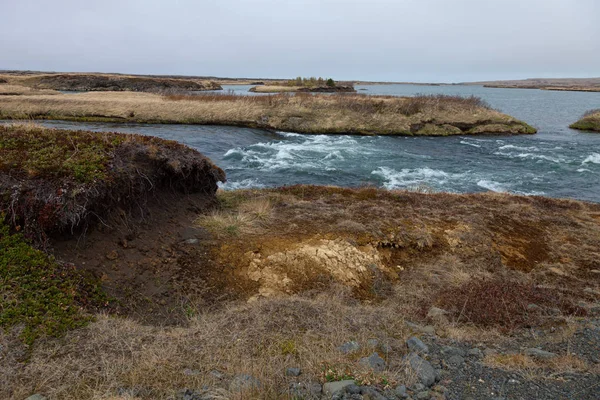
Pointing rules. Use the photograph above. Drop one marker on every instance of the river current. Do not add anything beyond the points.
(555, 162)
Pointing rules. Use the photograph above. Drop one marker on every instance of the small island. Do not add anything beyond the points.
(307, 85)
(590, 121)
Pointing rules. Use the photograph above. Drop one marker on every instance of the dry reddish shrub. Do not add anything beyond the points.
(503, 303)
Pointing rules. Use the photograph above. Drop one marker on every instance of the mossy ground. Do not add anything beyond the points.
(40, 296)
(35, 152)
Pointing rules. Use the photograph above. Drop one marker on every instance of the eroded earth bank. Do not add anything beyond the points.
(297, 292)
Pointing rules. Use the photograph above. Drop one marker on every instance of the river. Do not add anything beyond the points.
(556, 162)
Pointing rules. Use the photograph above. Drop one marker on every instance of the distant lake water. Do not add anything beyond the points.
(556, 162)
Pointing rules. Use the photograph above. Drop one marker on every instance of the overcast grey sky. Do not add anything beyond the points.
(402, 40)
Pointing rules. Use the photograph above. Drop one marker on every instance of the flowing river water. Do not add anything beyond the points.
(555, 162)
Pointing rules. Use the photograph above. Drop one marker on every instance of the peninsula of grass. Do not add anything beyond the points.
(436, 115)
(54, 181)
(590, 121)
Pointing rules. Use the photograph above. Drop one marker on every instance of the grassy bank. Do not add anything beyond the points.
(54, 181)
(304, 113)
(590, 121)
(316, 267)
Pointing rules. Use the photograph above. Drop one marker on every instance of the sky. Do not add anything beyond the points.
(377, 40)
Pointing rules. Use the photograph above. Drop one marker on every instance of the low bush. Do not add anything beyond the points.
(502, 303)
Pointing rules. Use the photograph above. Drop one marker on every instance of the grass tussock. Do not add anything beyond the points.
(590, 121)
(56, 181)
(303, 112)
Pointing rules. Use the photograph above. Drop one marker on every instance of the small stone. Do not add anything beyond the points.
(331, 388)
(374, 362)
(453, 351)
(490, 352)
(217, 374)
(418, 387)
(349, 347)
(244, 382)
(422, 369)
(400, 391)
(456, 361)
(353, 389)
(113, 255)
(191, 372)
(540, 354)
(293, 372)
(513, 381)
(370, 393)
(373, 343)
(36, 396)
(191, 241)
(415, 344)
(437, 313)
(440, 389)
(306, 390)
(475, 352)
(423, 395)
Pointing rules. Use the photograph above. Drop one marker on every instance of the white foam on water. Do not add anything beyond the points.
(304, 152)
(243, 184)
(513, 147)
(531, 156)
(583, 170)
(594, 158)
(406, 177)
(469, 144)
(491, 185)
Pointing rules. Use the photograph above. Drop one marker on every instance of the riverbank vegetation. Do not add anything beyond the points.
(436, 115)
(295, 276)
(54, 181)
(308, 85)
(590, 121)
(81, 82)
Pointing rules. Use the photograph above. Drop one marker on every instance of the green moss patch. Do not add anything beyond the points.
(40, 296)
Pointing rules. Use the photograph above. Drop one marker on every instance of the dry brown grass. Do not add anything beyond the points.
(18, 90)
(534, 369)
(305, 113)
(261, 339)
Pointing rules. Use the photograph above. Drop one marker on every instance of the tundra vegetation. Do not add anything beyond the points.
(177, 286)
(590, 121)
(436, 115)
